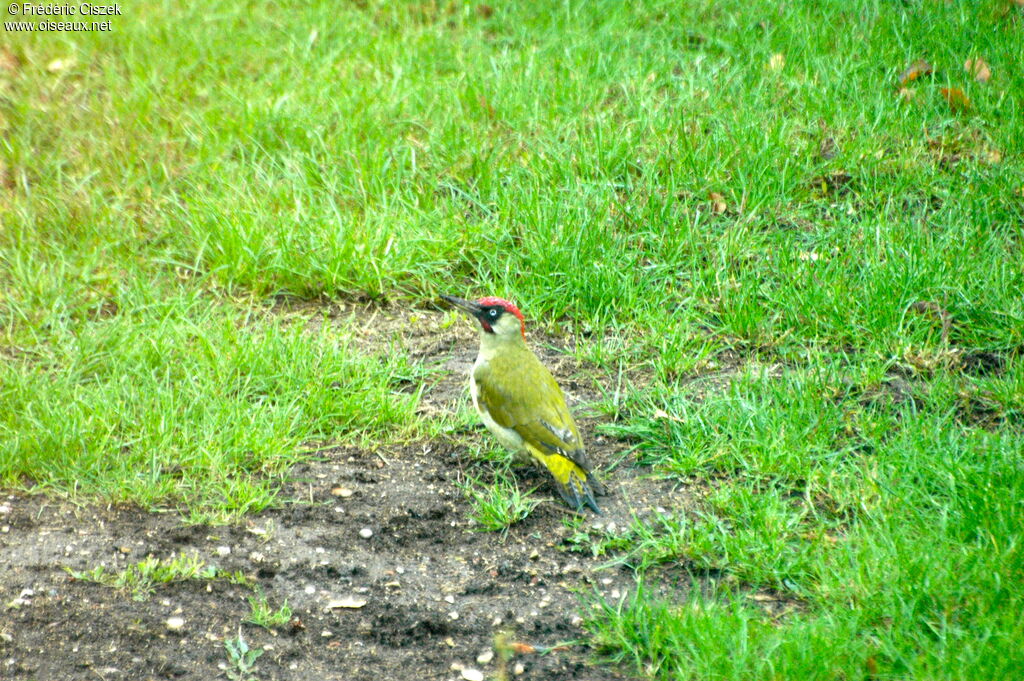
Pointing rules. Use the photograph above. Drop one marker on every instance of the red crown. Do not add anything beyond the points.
(491, 301)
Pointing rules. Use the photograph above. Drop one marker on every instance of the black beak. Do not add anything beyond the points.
(467, 306)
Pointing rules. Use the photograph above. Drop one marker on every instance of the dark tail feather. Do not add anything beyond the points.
(578, 493)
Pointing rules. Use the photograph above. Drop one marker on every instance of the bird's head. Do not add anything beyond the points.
(495, 315)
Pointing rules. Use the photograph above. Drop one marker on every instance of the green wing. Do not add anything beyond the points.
(528, 400)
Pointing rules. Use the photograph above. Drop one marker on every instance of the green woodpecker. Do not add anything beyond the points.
(520, 402)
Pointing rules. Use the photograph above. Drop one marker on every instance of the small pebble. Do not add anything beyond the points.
(472, 674)
(310, 589)
(343, 492)
(223, 551)
(453, 615)
(449, 599)
(366, 533)
(485, 657)
(326, 633)
(518, 669)
(175, 623)
(4, 509)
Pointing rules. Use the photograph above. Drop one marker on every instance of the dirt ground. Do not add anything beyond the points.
(437, 591)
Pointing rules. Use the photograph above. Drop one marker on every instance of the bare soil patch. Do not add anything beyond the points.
(436, 590)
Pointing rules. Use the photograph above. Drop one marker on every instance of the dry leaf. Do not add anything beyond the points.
(776, 62)
(58, 65)
(993, 156)
(919, 68)
(956, 99)
(717, 203)
(522, 648)
(979, 69)
(485, 11)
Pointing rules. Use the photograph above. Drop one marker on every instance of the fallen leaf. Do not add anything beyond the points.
(717, 203)
(917, 69)
(485, 11)
(350, 602)
(979, 69)
(58, 65)
(777, 61)
(520, 648)
(956, 99)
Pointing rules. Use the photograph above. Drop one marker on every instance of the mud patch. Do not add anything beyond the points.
(437, 591)
(389, 527)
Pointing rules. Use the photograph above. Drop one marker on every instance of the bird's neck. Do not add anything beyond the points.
(492, 344)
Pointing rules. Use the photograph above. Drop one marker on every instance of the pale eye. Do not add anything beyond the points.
(493, 313)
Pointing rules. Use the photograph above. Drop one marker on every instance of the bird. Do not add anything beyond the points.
(521, 403)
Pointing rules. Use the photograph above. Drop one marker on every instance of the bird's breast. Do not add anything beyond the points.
(506, 436)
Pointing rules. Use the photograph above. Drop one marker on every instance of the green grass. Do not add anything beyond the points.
(498, 505)
(833, 361)
(262, 614)
(188, 400)
(142, 578)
